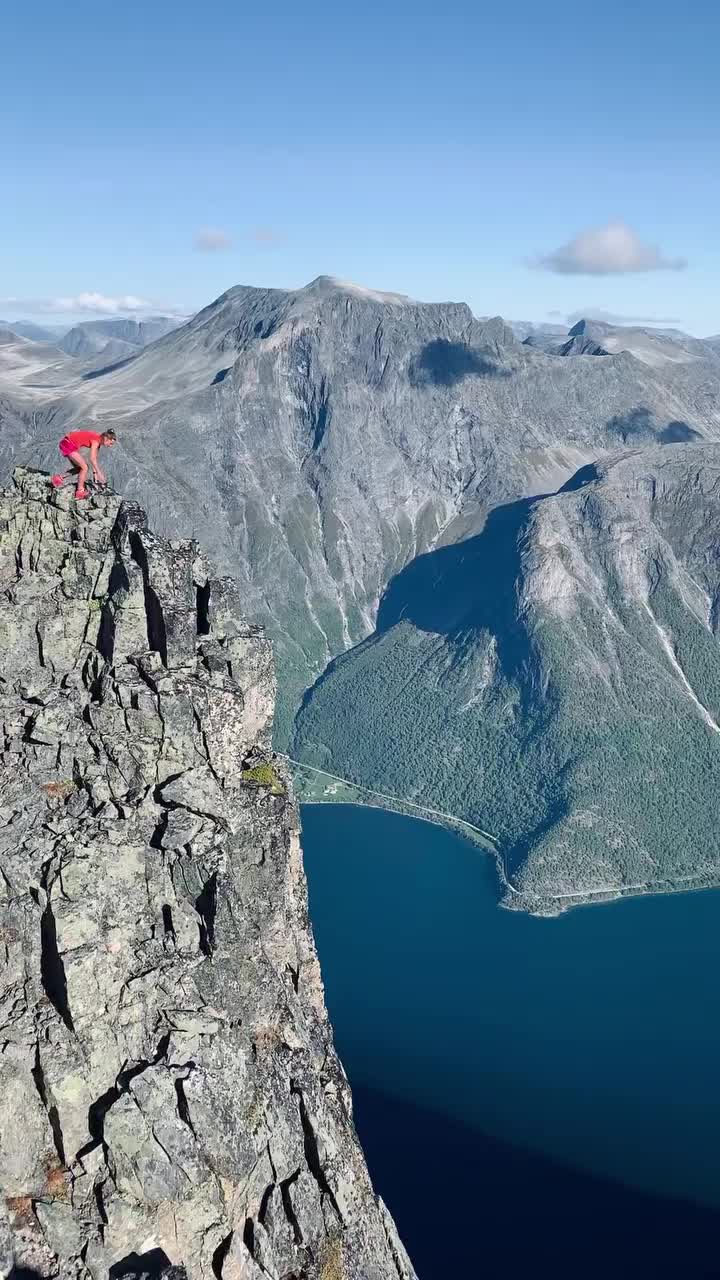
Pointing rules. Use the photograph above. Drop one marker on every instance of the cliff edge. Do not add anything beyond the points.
(169, 1091)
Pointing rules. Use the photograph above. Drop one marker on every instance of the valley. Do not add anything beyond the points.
(565, 678)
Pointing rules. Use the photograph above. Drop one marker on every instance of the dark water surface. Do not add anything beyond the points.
(559, 1079)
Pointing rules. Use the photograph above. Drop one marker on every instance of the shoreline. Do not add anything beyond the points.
(523, 901)
(603, 897)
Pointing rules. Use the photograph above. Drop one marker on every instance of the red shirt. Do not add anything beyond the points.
(83, 439)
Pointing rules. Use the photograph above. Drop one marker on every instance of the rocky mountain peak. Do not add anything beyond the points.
(244, 315)
(590, 329)
(169, 1093)
(333, 285)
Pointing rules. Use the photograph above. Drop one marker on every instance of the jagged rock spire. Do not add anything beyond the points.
(169, 1094)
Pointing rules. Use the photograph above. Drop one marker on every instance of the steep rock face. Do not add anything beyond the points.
(169, 1093)
(111, 354)
(556, 681)
(318, 440)
(92, 337)
(582, 345)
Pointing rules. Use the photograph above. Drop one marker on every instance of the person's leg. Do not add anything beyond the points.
(81, 465)
(59, 479)
(63, 477)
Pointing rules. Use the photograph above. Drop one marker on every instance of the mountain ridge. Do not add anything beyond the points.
(565, 682)
(318, 439)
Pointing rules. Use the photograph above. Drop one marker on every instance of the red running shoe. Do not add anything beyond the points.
(82, 493)
(57, 481)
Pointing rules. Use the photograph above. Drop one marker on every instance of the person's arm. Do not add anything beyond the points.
(97, 469)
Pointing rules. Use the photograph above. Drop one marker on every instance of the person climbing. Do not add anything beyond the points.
(70, 447)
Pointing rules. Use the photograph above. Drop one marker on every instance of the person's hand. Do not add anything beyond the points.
(100, 476)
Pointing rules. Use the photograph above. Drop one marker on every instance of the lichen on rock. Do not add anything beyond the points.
(169, 1092)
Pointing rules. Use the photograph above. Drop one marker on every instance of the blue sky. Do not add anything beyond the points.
(452, 151)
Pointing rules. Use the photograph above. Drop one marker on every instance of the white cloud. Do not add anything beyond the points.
(88, 303)
(614, 317)
(212, 240)
(614, 249)
(100, 302)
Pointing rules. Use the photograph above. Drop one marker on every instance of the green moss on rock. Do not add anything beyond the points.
(264, 775)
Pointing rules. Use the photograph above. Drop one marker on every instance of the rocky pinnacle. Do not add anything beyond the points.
(169, 1092)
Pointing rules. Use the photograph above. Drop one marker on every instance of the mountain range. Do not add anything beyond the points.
(94, 336)
(322, 441)
(35, 332)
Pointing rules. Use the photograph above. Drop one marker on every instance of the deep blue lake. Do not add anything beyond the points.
(557, 1079)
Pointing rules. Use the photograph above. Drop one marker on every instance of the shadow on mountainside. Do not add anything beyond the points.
(108, 368)
(464, 592)
(442, 363)
(517, 1213)
(639, 424)
(150, 1265)
(468, 586)
(678, 433)
(586, 475)
(636, 424)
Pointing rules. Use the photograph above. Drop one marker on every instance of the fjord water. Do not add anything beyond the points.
(584, 1050)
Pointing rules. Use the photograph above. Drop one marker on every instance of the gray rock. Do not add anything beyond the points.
(583, 345)
(111, 354)
(92, 336)
(169, 1092)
